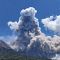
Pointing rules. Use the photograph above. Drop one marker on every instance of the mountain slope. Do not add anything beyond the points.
(5, 50)
(4, 45)
(6, 53)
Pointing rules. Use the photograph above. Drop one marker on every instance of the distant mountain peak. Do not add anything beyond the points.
(4, 44)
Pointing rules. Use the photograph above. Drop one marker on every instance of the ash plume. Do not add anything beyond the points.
(30, 38)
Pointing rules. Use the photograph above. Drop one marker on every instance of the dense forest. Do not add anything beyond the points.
(21, 58)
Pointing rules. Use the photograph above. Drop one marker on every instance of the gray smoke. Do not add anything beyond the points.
(30, 37)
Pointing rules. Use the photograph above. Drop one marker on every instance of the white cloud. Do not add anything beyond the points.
(8, 39)
(52, 23)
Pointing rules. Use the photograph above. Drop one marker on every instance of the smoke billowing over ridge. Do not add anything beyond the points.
(30, 37)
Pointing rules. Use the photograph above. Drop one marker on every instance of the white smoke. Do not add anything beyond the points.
(28, 12)
(57, 57)
(30, 35)
(14, 25)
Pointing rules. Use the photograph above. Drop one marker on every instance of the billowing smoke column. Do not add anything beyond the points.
(31, 39)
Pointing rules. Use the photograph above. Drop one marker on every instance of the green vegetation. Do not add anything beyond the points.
(8, 54)
(21, 58)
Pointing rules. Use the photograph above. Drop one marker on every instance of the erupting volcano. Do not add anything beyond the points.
(31, 41)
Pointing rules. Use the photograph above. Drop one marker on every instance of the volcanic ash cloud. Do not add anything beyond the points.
(30, 38)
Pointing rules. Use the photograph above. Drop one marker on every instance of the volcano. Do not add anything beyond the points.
(31, 41)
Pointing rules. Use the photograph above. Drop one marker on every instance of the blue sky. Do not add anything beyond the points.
(10, 11)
